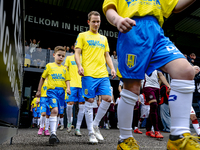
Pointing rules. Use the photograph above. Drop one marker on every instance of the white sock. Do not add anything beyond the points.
(89, 116)
(69, 113)
(195, 124)
(53, 126)
(33, 120)
(58, 119)
(125, 113)
(139, 123)
(47, 124)
(42, 121)
(135, 128)
(101, 112)
(180, 101)
(80, 115)
(38, 121)
(61, 122)
(71, 119)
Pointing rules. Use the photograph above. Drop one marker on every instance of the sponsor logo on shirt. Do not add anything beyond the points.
(73, 62)
(142, 2)
(57, 77)
(94, 43)
(172, 98)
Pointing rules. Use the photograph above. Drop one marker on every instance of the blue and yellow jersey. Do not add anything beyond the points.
(44, 89)
(57, 76)
(140, 8)
(73, 71)
(34, 102)
(93, 47)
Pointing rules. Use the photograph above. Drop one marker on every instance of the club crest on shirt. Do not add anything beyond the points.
(130, 60)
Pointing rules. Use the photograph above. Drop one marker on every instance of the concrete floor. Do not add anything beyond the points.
(27, 139)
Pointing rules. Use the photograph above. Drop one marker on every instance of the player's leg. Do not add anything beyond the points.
(129, 96)
(70, 102)
(61, 122)
(89, 94)
(81, 112)
(194, 120)
(180, 101)
(136, 118)
(105, 91)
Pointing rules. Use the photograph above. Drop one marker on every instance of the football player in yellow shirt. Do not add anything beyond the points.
(95, 54)
(58, 82)
(44, 110)
(33, 107)
(142, 47)
(76, 95)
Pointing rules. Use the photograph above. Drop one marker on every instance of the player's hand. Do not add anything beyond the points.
(38, 94)
(31, 110)
(81, 71)
(36, 109)
(68, 91)
(113, 73)
(125, 24)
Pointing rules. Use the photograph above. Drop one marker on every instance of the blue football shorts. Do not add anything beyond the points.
(44, 105)
(56, 98)
(95, 86)
(144, 49)
(76, 95)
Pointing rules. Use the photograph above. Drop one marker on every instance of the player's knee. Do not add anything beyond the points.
(188, 73)
(81, 103)
(54, 111)
(106, 98)
(90, 100)
(70, 103)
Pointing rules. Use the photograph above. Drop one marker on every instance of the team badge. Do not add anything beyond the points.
(130, 60)
(86, 91)
(54, 100)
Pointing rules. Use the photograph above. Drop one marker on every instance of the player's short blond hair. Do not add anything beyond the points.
(59, 48)
(95, 13)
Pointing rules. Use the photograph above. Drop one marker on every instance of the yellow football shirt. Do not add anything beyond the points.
(93, 47)
(57, 76)
(44, 89)
(140, 8)
(73, 71)
(34, 102)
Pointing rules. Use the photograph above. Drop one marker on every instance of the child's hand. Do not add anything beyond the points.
(125, 24)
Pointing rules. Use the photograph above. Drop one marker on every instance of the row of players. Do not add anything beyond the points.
(141, 49)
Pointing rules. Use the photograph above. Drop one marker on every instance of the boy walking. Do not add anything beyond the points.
(142, 48)
(58, 82)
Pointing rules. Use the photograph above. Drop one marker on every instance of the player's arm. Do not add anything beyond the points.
(78, 61)
(163, 79)
(123, 24)
(31, 108)
(110, 64)
(182, 4)
(68, 87)
(38, 94)
(120, 88)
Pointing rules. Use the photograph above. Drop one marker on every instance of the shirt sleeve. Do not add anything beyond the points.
(67, 61)
(67, 76)
(107, 49)
(168, 6)
(79, 41)
(45, 72)
(107, 3)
